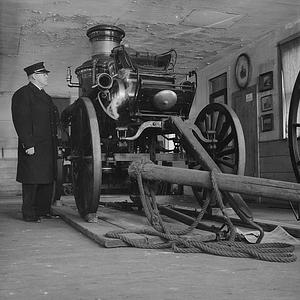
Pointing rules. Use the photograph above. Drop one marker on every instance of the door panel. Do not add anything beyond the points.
(244, 103)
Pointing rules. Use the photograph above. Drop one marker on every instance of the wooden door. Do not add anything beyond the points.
(244, 103)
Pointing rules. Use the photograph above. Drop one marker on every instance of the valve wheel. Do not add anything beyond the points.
(294, 128)
(86, 157)
(220, 133)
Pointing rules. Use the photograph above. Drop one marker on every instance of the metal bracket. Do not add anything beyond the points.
(145, 125)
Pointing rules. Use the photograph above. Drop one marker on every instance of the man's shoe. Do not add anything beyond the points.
(91, 218)
(49, 216)
(32, 219)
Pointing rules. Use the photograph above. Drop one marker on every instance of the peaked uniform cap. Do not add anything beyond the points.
(36, 68)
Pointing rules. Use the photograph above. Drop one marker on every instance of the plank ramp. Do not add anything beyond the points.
(112, 219)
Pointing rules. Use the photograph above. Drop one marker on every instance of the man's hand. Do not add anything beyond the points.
(30, 151)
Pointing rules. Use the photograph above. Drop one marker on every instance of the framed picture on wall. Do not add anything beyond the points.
(266, 103)
(267, 122)
(265, 81)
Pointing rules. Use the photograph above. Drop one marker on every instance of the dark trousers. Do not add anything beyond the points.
(36, 199)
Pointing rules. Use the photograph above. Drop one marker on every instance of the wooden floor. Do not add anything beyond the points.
(52, 260)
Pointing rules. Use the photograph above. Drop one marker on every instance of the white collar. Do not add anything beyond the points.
(37, 86)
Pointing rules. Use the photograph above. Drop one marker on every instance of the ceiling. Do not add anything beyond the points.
(54, 31)
(201, 31)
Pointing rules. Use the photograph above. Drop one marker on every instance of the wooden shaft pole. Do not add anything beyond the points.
(278, 190)
(189, 140)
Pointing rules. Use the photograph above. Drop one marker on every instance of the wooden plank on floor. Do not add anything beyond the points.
(113, 219)
(95, 231)
(137, 220)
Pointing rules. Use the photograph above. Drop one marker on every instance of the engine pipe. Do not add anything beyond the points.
(105, 81)
(69, 79)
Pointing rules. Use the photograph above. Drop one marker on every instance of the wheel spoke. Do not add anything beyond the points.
(225, 152)
(220, 121)
(197, 167)
(222, 144)
(207, 122)
(213, 121)
(225, 163)
(223, 131)
(202, 128)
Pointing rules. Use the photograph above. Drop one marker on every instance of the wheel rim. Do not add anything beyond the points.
(219, 131)
(293, 128)
(86, 153)
(222, 137)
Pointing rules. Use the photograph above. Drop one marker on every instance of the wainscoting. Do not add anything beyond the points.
(8, 184)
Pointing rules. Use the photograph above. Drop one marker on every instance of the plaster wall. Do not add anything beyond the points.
(56, 59)
(273, 153)
(263, 55)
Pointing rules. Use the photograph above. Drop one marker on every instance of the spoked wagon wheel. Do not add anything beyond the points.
(293, 136)
(86, 158)
(220, 133)
(294, 128)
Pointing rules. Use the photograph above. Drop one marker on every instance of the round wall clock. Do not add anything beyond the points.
(242, 70)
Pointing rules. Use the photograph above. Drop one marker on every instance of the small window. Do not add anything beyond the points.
(218, 89)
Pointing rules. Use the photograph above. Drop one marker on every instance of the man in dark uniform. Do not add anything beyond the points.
(35, 118)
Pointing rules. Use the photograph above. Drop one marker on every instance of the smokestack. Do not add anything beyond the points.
(104, 38)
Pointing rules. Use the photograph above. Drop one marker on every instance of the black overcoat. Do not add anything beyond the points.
(35, 118)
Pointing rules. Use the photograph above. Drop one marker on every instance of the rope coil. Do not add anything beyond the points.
(175, 240)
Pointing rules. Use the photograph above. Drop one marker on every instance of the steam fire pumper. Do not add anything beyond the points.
(133, 109)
